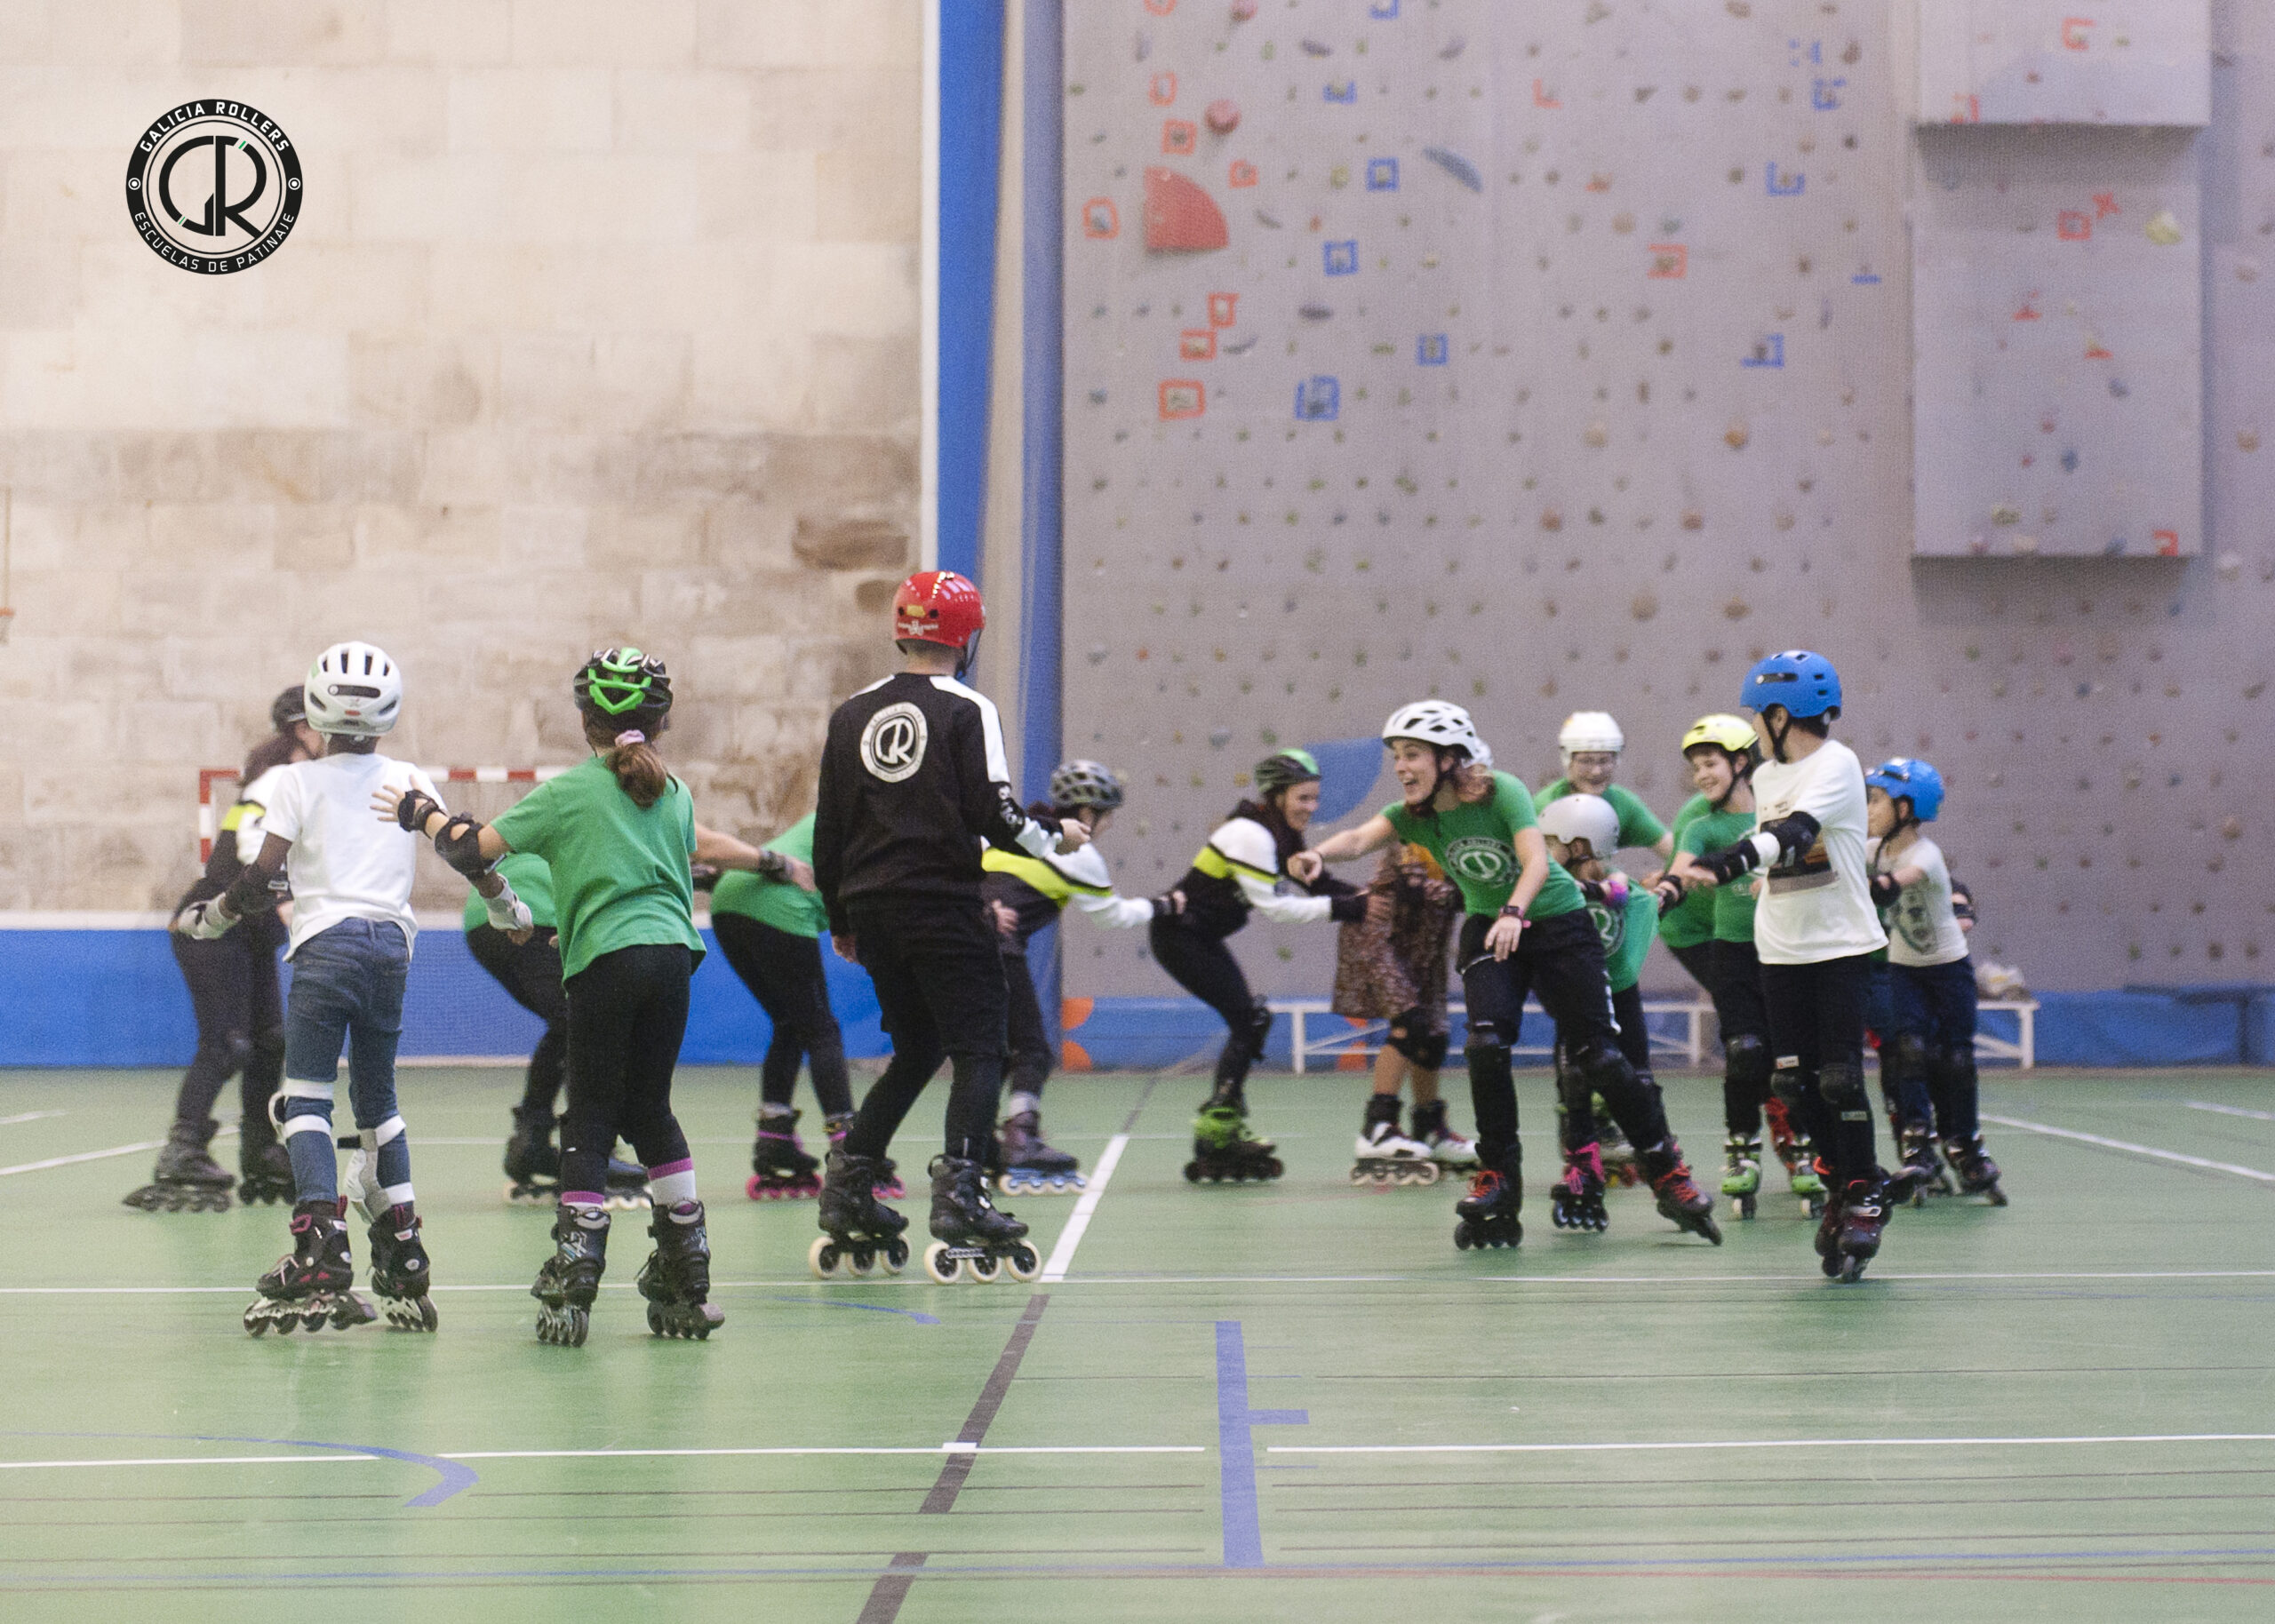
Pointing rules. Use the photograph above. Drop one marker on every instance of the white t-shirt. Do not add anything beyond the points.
(344, 863)
(1922, 928)
(251, 829)
(1816, 904)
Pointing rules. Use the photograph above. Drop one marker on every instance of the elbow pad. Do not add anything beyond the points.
(1794, 832)
(459, 843)
(1350, 910)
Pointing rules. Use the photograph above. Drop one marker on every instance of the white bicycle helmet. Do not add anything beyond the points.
(352, 689)
(1435, 723)
(1582, 818)
(1586, 732)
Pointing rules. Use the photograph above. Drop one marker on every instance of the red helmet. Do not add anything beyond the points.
(938, 606)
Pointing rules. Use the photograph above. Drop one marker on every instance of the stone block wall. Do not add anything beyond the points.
(599, 324)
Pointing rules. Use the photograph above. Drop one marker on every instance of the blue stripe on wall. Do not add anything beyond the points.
(972, 121)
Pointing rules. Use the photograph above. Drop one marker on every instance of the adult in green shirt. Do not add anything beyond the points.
(1526, 930)
(768, 924)
(619, 833)
(1590, 743)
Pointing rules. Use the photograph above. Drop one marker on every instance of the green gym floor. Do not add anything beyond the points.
(1292, 1401)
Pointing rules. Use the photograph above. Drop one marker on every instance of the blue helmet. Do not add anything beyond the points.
(1903, 778)
(1804, 683)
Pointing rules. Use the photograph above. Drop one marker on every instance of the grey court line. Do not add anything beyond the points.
(2130, 1148)
(27, 1116)
(1651, 1447)
(892, 1588)
(2230, 1111)
(94, 1156)
(956, 1449)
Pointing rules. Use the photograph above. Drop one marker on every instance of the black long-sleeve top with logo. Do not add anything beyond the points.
(914, 783)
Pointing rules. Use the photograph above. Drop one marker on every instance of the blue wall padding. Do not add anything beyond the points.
(2134, 1029)
(1347, 771)
(971, 129)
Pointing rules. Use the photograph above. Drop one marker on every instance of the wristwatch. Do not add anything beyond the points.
(1510, 911)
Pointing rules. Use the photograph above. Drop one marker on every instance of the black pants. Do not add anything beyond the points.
(1030, 1038)
(628, 1012)
(784, 972)
(532, 974)
(1744, 1021)
(1698, 958)
(1816, 1042)
(1559, 961)
(1204, 967)
(939, 971)
(232, 988)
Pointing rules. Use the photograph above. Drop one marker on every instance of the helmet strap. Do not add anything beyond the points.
(968, 657)
(1779, 735)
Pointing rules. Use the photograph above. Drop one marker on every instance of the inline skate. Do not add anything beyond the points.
(860, 1230)
(1447, 1149)
(1387, 1157)
(1741, 1173)
(533, 1161)
(264, 1170)
(309, 1287)
(1487, 1217)
(1799, 1156)
(1680, 1200)
(1848, 1236)
(1921, 1173)
(186, 1178)
(1030, 1165)
(570, 1278)
(1978, 1174)
(1223, 1152)
(1619, 1160)
(677, 1278)
(971, 1239)
(400, 1271)
(1576, 1200)
(626, 1188)
(780, 1170)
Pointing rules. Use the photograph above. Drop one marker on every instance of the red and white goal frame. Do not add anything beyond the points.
(210, 804)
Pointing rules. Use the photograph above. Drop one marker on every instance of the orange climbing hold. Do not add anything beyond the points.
(1180, 217)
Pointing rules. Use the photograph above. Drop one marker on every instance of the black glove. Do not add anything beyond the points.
(1729, 864)
(1671, 891)
(1168, 904)
(702, 876)
(1885, 890)
(411, 811)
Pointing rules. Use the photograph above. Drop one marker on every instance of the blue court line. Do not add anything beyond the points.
(1236, 1448)
(874, 1308)
(455, 1478)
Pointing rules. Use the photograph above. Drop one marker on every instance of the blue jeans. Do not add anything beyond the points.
(347, 989)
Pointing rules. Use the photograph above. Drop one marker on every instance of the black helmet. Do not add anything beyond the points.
(624, 685)
(289, 707)
(1284, 770)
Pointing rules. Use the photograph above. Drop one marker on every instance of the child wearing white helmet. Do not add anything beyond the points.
(1527, 931)
(350, 949)
(1589, 744)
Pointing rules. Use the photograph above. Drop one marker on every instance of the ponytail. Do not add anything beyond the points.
(625, 751)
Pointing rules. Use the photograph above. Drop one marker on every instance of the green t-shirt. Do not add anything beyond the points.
(1732, 904)
(1691, 922)
(1476, 846)
(1637, 826)
(1627, 935)
(532, 882)
(621, 875)
(776, 902)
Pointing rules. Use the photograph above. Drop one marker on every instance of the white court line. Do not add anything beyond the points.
(2233, 1111)
(27, 1116)
(1062, 1255)
(616, 1454)
(1560, 1449)
(2132, 1148)
(96, 1155)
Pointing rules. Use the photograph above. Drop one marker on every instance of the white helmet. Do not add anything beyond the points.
(354, 689)
(1433, 721)
(1582, 818)
(1588, 731)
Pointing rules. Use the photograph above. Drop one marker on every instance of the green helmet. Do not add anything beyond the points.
(624, 683)
(1284, 770)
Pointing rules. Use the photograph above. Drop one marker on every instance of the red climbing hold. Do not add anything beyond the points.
(1224, 116)
(1180, 218)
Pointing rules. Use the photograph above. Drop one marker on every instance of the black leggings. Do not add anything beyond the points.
(1204, 967)
(532, 974)
(784, 972)
(240, 1027)
(628, 1012)
(1744, 1021)
(1698, 958)
(939, 971)
(1817, 1040)
(1030, 1038)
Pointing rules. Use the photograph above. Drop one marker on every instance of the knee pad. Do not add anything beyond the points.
(236, 1049)
(1906, 1054)
(1596, 1063)
(1785, 1082)
(386, 1133)
(1487, 1037)
(1745, 1060)
(268, 1042)
(1259, 1028)
(1841, 1085)
(1952, 1064)
(1424, 1049)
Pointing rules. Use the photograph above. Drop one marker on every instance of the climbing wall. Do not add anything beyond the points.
(1555, 356)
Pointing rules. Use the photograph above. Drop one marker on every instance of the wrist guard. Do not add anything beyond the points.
(508, 911)
(205, 921)
(459, 843)
(1729, 864)
(1164, 905)
(1885, 890)
(411, 811)
(1348, 910)
(1671, 891)
(773, 866)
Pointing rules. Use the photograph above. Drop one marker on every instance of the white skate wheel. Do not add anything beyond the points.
(983, 1269)
(822, 1257)
(933, 1264)
(1023, 1264)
